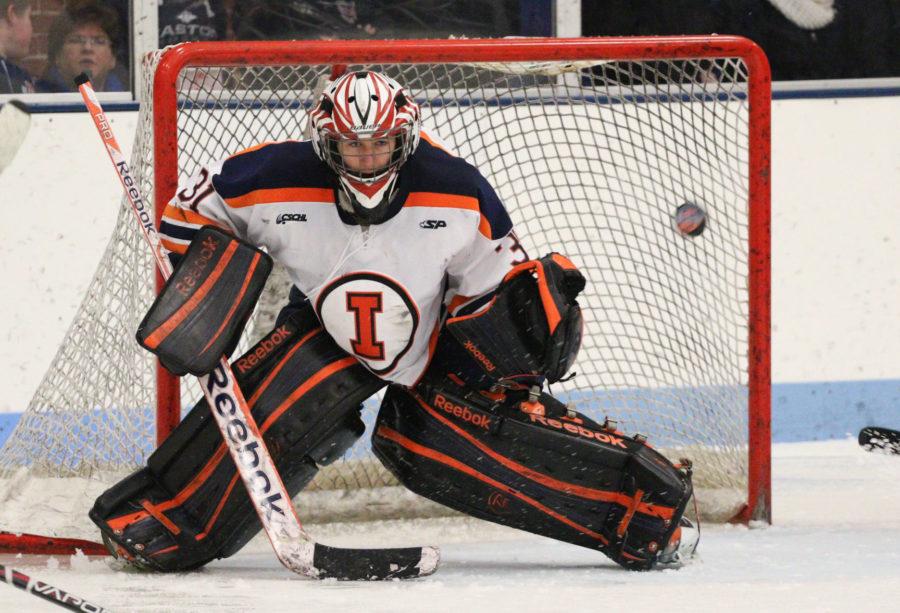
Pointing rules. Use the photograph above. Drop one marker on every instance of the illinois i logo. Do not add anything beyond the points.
(370, 316)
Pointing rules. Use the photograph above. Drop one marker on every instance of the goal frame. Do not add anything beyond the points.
(340, 53)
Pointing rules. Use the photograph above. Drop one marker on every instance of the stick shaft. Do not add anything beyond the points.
(239, 430)
(59, 597)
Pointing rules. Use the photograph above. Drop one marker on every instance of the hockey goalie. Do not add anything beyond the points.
(406, 273)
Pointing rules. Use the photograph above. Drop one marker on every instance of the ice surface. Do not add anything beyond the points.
(834, 546)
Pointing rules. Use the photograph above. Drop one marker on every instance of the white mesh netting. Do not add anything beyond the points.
(590, 162)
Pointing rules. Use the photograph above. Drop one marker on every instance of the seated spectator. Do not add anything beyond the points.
(15, 40)
(83, 39)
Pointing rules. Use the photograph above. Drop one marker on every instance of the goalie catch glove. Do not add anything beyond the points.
(532, 328)
(200, 313)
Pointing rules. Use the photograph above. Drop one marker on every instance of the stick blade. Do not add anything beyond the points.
(873, 438)
(374, 564)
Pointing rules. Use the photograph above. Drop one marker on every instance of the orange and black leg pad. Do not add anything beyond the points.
(551, 472)
(188, 506)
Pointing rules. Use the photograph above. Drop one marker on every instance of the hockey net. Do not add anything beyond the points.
(592, 144)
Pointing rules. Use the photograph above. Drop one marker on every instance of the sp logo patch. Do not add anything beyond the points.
(433, 224)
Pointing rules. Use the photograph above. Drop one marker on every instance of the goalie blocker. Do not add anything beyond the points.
(199, 315)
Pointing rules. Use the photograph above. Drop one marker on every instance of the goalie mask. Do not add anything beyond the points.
(364, 128)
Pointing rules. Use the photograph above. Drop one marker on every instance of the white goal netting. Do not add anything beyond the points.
(592, 159)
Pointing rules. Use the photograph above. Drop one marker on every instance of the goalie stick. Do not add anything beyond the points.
(293, 546)
(17, 578)
(875, 438)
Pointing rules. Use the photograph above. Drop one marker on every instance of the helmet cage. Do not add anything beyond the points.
(365, 107)
(332, 143)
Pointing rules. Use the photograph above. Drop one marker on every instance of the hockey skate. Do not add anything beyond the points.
(681, 547)
(121, 559)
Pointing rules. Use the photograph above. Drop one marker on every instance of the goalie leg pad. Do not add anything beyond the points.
(559, 474)
(188, 507)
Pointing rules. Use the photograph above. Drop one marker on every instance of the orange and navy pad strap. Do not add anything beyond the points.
(201, 312)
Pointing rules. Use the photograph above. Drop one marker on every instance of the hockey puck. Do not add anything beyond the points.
(690, 219)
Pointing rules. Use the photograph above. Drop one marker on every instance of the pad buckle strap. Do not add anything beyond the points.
(533, 406)
(160, 517)
(629, 513)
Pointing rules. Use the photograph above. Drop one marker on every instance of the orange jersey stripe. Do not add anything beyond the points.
(450, 201)
(176, 213)
(436, 199)
(484, 227)
(427, 138)
(251, 149)
(175, 247)
(283, 194)
(260, 146)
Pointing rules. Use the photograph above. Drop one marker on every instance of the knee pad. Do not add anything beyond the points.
(551, 471)
(188, 506)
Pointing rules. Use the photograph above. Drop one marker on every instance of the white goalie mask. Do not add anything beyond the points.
(364, 128)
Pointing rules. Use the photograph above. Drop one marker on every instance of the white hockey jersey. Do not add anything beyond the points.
(380, 291)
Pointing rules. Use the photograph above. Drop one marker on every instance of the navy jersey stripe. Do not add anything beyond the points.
(431, 169)
(177, 232)
(272, 166)
(493, 210)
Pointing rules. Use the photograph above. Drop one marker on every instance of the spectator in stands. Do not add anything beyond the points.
(83, 38)
(192, 20)
(15, 40)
